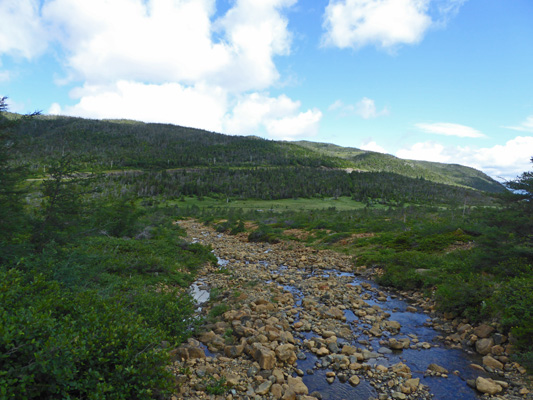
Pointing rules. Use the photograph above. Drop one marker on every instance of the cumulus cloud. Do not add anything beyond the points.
(526, 126)
(21, 31)
(365, 108)
(372, 146)
(160, 41)
(501, 161)
(384, 23)
(279, 117)
(195, 106)
(176, 61)
(449, 129)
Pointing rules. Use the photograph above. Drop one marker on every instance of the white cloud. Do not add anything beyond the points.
(449, 129)
(386, 23)
(365, 108)
(161, 41)
(21, 30)
(526, 126)
(279, 117)
(195, 106)
(501, 161)
(372, 146)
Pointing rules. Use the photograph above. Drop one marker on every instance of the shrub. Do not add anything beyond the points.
(54, 344)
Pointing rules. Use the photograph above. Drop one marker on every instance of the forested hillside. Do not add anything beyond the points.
(112, 145)
(452, 174)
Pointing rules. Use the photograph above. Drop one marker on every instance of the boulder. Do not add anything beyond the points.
(354, 380)
(285, 353)
(483, 346)
(263, 388)
(437, 368)
(487, 386)
(297, 385)
(483, 331)
(265, 357)
(488, 361)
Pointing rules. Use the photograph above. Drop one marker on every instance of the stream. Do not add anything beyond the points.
(414, 325)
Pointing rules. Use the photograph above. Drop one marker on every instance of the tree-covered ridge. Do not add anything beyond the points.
(269, 183)
(136, 145)
(120, 144)
(451, 174)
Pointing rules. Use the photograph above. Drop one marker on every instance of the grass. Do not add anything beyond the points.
(341, 204)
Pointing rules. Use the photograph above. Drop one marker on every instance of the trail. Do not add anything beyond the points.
(296, 323)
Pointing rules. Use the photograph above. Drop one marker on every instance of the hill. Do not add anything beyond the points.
(451, 174)
(178, 161)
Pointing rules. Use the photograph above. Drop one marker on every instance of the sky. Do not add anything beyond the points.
(440, 80)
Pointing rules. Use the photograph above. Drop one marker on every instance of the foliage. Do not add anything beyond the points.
(55, 344)
(264, 233)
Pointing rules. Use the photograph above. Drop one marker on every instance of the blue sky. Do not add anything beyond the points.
(438, 80)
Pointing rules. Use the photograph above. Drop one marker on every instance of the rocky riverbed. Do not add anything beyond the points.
(291, 322)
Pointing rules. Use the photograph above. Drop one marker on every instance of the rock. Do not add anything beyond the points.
(263, 388)
(264, 356)
(354, 380)
(232, 379)
(398, 395)
(323, 351)
(384, 350)
(483, 346)
(437, 368)
(488, 361)
(276, 390)
(285, 353)
(207, 337)
(233, 351)
(483, 331)
(348, 350)
(412, 384)
(278, 375)
(402, 370)
(297, 385)
(487, 386)
(289, 394)
(411, 309)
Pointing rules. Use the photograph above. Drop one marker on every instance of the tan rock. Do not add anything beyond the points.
(285, 353)
(412, 384)
(483, 346)
(276, 390)
(487, 386)
(402, 370)
(297, 385)
(278, 374)
(263, 388)
(265, 357)
(483, 331)
(437, 368)
(354, 380)
(488, 361)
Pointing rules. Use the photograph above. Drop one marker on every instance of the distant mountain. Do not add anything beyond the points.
(124, 144)
(451, 174)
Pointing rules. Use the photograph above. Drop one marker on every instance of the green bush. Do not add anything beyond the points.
(54, 344)
(263, 234)
(512, 302)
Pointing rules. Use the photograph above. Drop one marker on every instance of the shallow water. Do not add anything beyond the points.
(456, 361)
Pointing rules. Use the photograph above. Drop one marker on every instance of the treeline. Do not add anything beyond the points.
(117, 145)
(136, 145)
(290, 182)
